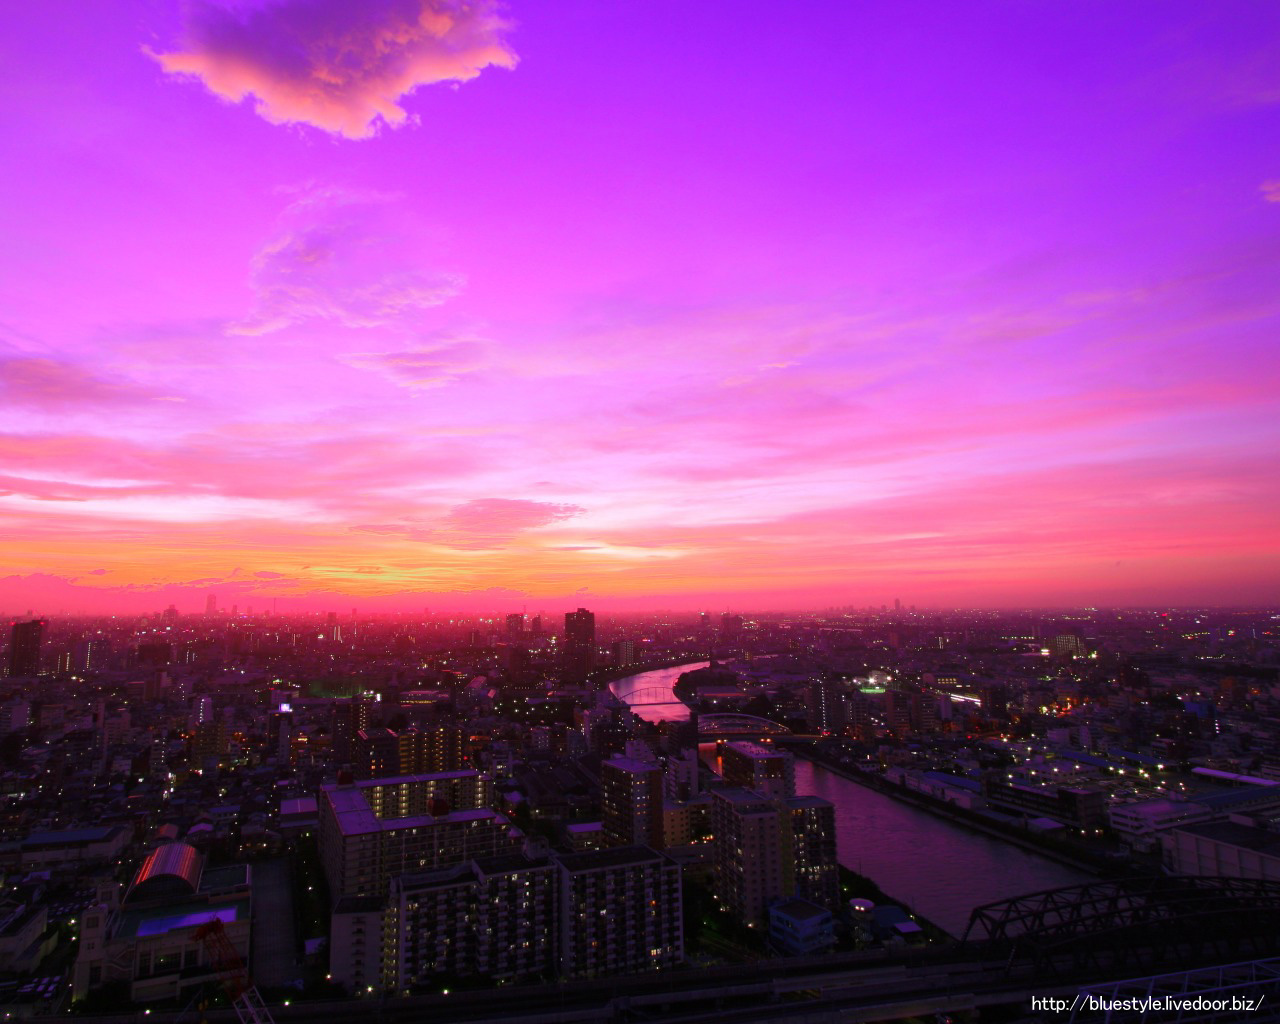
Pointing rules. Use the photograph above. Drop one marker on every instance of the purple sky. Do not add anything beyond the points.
(408, 302)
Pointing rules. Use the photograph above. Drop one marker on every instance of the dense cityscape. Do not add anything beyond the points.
(239, 807)
(640, 513)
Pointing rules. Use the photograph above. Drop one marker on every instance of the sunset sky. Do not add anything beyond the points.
(420, 303)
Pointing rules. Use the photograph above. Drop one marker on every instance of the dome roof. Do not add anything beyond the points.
(172, 870)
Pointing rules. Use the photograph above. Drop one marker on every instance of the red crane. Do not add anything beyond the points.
(233, 974)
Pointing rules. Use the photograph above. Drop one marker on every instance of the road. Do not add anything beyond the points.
(274, 958)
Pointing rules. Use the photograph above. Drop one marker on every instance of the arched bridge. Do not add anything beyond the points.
(731, 723)
(651, 696)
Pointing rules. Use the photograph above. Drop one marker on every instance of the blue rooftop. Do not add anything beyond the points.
(142, 922)
(70, 835)
(959, 781)
(1235, 797)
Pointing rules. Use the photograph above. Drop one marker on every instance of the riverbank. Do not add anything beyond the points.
(965, 819)
(609, 676)
(854, 886)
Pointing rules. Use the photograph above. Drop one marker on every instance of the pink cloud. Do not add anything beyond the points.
(428, 366)
(52, 385)
(341, 66)
(480, 524)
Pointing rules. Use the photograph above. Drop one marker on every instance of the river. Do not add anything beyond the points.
(942, 870)
(647, 686)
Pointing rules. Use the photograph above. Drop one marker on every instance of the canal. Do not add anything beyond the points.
(942, 870)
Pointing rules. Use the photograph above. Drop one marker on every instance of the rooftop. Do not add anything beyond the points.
(403, 780)
(1241, 797)
(744, 799)
(632, 764)
(800, 910)
(144, 921)
(71, 836)
(298, 805)
(594, 860)
(1244, 836)
(355, 817)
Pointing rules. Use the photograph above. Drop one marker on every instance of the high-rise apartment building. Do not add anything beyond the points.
(1068, 645)
(24, 647)
(770, 850)
(752, 854)
(375, 754)
(579, 645)
(813, 850)
(431, 748)
(210, 742)
(620, 912)
(632, 802)
(513, 916)
(839, 707)
(346, 719)
(493, 917)
(371, 832)
(280, 733)
(897, 712)
(383, 753)
(764, 770)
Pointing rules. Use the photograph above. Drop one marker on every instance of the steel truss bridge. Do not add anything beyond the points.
(1141, 923)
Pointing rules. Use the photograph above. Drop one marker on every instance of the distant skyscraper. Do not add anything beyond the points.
(1068, 645)
(579, 644)
(24, 647)
(211, 604)
(280, 733)
(376, 754)
(88, 655)
(346, 719)
(515, 624)
(624, 653)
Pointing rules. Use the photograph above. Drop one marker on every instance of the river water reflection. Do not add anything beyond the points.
(942, 870)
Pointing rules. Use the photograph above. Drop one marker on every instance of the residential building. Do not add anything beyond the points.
(632, 802)
(759, 768)
(620, 912)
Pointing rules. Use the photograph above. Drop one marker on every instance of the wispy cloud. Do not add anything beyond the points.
(430, 365)
(348, 257)
(491, 522)
(339, 65)
(52, 385)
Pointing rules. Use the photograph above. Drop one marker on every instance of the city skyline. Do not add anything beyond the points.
(659, 307)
